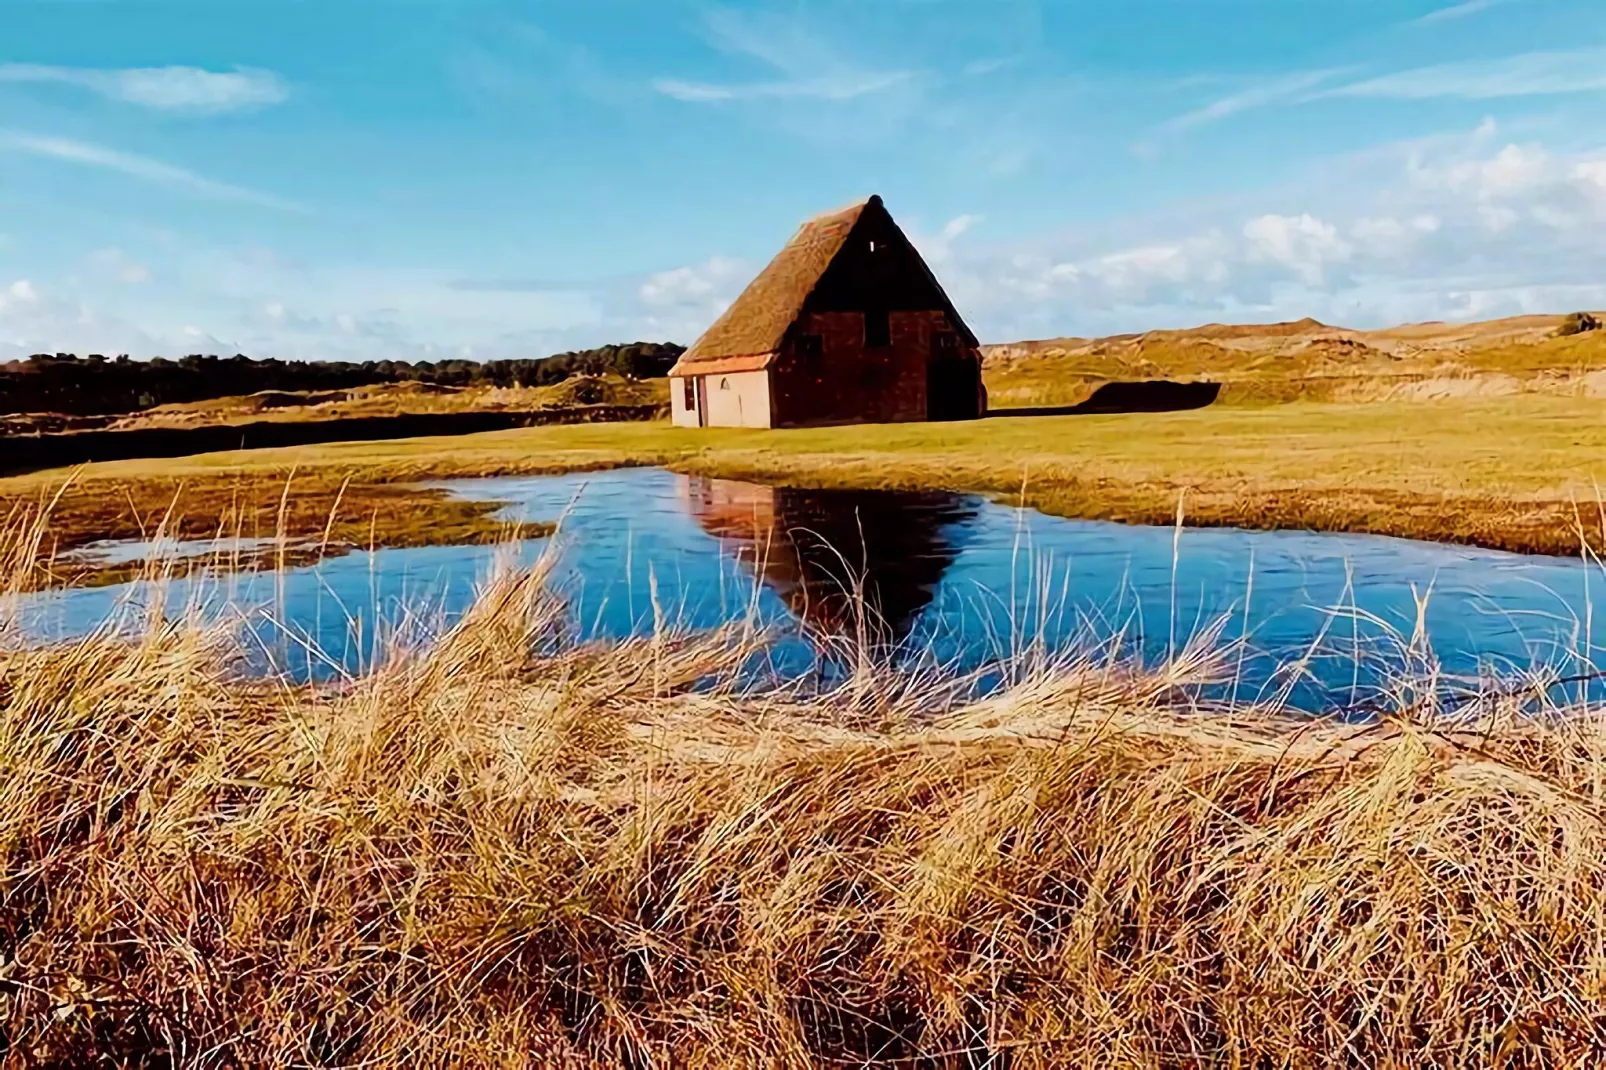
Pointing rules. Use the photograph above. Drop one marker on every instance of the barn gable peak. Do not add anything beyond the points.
(749, 334)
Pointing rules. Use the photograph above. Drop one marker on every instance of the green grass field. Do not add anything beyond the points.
(1513, 472)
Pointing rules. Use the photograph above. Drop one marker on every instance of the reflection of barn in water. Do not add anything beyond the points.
(820, 549)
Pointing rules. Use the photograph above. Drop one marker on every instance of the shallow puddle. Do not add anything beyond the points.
(948, 579)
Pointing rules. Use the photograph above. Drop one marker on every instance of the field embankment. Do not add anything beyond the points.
(578, 392)
(505, 849)
(25, 453)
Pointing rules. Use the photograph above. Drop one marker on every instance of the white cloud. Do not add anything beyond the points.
(1391, 235)
(1516, 180)
(695, 92)
(117, 264)
(1131, 271)
(1303, 244)
(1160, 272)
(711, 284)
(1453, 228)
(937, 249)
(842, 86)
(14, 297)
(977, 68)
(140, 167)
(1591, 173)
(180, 89)
(246, 299)
(1514, 168)
(958, 225)
(1497, 217)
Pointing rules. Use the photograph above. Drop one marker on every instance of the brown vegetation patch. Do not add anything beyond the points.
(309, 515)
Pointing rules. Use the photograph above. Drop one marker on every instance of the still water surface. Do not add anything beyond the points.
(950, 579)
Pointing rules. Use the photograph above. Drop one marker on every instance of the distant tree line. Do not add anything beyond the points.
(84, 386)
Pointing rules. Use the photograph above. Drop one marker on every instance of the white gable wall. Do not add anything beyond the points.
(681, 414)
(738, 399)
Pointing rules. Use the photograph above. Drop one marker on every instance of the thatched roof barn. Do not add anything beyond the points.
(846, 325)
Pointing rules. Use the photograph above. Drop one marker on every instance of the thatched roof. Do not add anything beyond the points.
(750, 332)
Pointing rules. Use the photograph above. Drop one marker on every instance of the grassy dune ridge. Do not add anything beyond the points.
(507, 848)
(1269, 364)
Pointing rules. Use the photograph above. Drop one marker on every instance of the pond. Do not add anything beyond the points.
(951, 580)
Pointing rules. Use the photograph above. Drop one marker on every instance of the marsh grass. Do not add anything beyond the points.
(507, 847)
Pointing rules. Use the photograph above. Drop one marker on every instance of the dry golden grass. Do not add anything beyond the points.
(507, 849)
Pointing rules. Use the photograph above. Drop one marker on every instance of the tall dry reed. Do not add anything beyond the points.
(508, 849)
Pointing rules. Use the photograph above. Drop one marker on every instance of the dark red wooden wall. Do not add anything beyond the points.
(827, 373)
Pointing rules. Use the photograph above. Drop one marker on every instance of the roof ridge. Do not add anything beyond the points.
(755, 324)
(857, 206)
(757, 321)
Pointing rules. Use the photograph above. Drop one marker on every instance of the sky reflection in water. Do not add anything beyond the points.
(949, 579)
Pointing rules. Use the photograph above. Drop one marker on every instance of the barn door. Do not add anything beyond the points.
(702, 401)
(953, 381)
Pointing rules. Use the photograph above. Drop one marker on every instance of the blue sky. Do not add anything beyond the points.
(424, 178)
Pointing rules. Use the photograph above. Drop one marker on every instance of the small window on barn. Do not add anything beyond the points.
(872, 246)
(724, 384)
(877, 328)
(688, 393)
(945, 345)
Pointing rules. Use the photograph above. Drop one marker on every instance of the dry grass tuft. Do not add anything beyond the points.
(509, 848)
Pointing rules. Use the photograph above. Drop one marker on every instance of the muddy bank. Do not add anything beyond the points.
(29, 453)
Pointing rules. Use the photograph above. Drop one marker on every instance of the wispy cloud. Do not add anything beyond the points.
(527, 286)
(117, 264)
(1455, 226)
(978, 67)
(1525, 75)
(140, 167)
(1457, 11)
(807, 66)
(1275, 91)
(844, 86)
(178, 89)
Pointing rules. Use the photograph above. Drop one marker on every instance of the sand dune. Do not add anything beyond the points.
(1407, 339)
